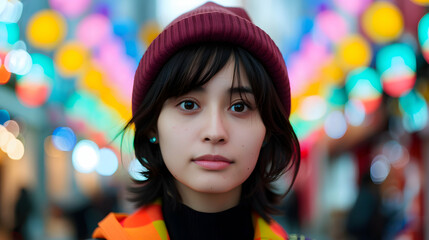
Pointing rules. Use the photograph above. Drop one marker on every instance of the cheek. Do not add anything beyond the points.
(250, 145)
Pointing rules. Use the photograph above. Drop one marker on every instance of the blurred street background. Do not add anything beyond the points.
(360, 88)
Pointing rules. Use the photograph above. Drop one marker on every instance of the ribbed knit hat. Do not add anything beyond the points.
(208, 23)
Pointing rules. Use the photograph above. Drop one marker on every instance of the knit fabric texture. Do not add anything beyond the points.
(211, 23)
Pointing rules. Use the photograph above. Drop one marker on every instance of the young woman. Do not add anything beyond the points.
(211, 103)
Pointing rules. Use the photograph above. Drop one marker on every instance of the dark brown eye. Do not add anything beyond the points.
(188, 105)
(238, 107)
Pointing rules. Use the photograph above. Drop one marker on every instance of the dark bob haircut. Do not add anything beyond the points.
(192, 67)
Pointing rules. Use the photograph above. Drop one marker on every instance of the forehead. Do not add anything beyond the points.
(231, 76)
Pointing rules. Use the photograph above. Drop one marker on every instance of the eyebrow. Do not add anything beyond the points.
(241, 90)
(231, 90)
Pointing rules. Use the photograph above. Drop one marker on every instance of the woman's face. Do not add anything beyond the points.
(210, 138)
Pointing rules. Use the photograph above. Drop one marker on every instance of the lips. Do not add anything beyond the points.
(212, 162)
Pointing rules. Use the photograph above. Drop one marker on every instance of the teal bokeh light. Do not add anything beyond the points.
(337, 96)
(46, 63)
(9, 33)
(423, 29)
(395, 55)
(412, 103)
(415, 112)
(363, 83)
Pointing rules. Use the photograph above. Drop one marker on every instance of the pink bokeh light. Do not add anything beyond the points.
(70, 8)
(333, 25)
(354, 7)
(93, 30)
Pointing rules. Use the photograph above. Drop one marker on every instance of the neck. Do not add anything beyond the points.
(209, 202)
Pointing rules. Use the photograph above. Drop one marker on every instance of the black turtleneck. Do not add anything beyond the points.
(185, 223)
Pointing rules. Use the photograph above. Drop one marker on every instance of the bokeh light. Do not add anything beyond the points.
(423, 35)
(93, 30)
(85, 156)
(4, 74)
(108, 163)
(382, 22)
(332, 72)
(333, 25)
(355, 112)
(46, 29)
(64, 138)
(396, 154)
(337, 96)
(18, 62)
(11, 12)
(135, 170)
(9, 33)
(397, 65)
(335, 125)
(46, 63)
(149, 31)
(4, 116)
(421, 2)
(415, 111)
(15, 149)
(354, 7)
(12, 126)
(34, 88)
(354, 51)
(380, 169)
(312, 108)
(71, 58)
(363, 84)
(5, 138)
(70, 8)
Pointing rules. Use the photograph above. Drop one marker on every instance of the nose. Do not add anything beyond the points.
(215, 129)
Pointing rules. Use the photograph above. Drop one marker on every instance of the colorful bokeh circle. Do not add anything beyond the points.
(71, 58)
(397, 65)
(354, 51)
(93, 30)
(364, 84)
(382, 22)
(4, 74)
(64, 138)
(423, 35)
(33, 89)
(70, 8)
(46, 29)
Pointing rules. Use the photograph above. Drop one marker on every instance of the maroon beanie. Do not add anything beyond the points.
(207, 23)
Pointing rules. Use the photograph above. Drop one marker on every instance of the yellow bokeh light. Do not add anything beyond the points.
(92, 79)
(46, 29)
(354, 51)
(332, 72)
(71, 58)
(382, 22)
(149, 32)
(421, 2)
